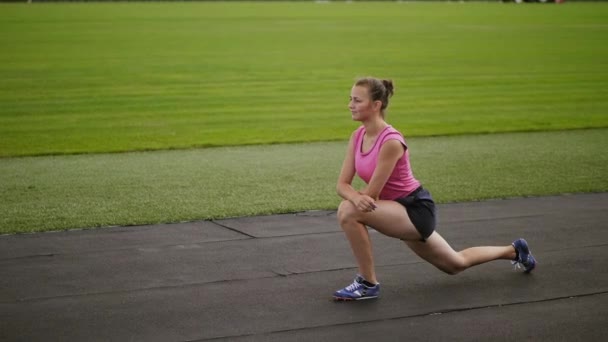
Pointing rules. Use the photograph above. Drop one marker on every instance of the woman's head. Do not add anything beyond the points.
(373, 93)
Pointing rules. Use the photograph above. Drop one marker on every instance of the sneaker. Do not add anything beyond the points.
(358, 291)
(524, 256)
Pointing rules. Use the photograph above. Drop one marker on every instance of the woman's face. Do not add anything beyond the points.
(361, 105)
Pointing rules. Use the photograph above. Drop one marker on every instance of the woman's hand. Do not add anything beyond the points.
(364, 203)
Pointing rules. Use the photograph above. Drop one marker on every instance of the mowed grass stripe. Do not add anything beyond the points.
(61, 192)
(533, 85)
(89, 78)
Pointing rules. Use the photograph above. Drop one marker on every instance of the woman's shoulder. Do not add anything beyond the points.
(391, 131)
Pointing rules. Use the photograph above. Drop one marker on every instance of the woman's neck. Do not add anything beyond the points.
(374, 127)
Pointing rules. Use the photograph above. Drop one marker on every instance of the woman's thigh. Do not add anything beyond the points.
(390, 218)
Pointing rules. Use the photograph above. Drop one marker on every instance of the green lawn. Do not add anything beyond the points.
(99, 77)
(89, 78)
(59, 192)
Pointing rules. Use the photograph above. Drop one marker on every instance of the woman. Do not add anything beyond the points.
(393, 202)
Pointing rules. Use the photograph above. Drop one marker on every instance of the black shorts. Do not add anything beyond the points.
(421, 210)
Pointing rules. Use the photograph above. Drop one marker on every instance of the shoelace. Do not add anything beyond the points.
(353, 286)
(516, 265)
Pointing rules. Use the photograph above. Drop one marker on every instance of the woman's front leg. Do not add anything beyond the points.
(358, 237)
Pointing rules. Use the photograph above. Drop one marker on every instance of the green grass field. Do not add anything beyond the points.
(89, 78)
(59, 192)
(81, 78)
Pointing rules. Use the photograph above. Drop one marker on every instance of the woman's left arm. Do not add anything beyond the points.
(390, 152)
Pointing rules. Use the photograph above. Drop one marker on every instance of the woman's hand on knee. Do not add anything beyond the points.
(364, 203)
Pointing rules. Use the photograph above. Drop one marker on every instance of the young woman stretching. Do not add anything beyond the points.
(393, 202)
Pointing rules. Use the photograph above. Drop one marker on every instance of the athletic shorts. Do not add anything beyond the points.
(421, 210)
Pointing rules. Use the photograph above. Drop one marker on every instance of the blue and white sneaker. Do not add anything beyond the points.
(358, 291)
(524, 256)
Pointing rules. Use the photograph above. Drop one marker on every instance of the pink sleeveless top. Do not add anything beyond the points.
(401, 182)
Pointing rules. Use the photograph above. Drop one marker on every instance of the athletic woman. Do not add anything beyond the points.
(393, 202)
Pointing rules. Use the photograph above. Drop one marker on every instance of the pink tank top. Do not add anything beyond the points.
(401, 182)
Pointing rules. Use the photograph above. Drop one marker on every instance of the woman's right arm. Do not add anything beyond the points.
(344, 187)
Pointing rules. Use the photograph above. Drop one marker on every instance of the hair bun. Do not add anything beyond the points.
(390, 88)
(378, 89)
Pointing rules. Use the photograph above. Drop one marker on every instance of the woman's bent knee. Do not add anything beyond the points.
(453, 268)
(347, 212)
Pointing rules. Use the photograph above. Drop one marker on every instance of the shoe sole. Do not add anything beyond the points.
(340, 299)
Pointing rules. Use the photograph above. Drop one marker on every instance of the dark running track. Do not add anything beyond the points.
(271, 279)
